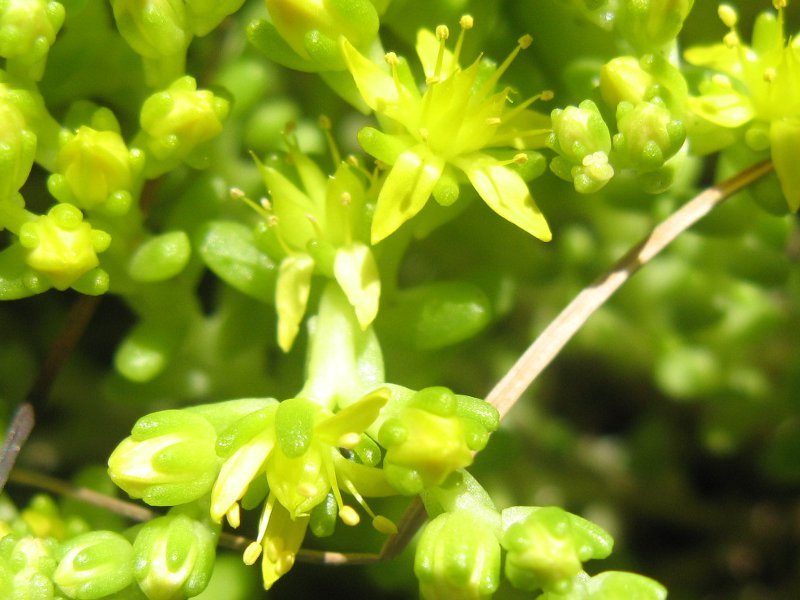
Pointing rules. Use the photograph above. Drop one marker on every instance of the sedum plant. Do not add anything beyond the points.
(316, 255)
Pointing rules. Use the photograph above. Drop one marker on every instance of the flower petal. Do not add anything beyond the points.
(375, 85)
(357, 274)
(354, 418)
(237, 472)
(406, 190)
(506, 194)
(291, 296)
(282, 541)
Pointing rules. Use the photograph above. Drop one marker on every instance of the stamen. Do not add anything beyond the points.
(545, 95)
(264, 521)
(263, 208)
(494, 121)
(273, 222)
(290, 137)
(466, 22)
(731, 39)
(379, 522)
(251, 553)
(330, 471)
(392, 60)
(770, 73)
(346, 199)
(424, 134)
(524, 42)
(325, 124)
(234, 515)
(780, 4)
(315, 224)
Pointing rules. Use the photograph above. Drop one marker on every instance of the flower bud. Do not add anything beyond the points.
(611, 585)
(623, 79)
(17, 151)
(96, 168)
(27, 30)
(546, 547)
(648, 135)
(169, 458)
(581, 138)
(26, 567)
(204, 15)
(425, 441)
(94, 565)
(651, 24)
(178, 121)
(173, 557)
(458, 556)
(158, 31)
(62, 246)
(313, 30)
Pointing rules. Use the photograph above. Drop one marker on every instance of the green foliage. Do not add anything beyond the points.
(307, 302)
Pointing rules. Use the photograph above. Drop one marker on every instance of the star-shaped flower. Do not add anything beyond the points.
(446, 131)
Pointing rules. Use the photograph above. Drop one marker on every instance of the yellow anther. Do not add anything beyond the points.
(349, 516)
(520, 158)
(251, 553)
(349, 440)
(727, 14)
(234, 515)
(391, 58)
(346, 199)
(525, 41)
(236, 193)
(424, 134)
(547, 95)
(273, 221)
(493, 121)
(265, 203)
(780, 4)
(442, 32)
(324, 122)
(384, 525)
(770, 73)
(721, 80)
(466, 22)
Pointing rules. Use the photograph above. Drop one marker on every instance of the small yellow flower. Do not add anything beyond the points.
(445, 132)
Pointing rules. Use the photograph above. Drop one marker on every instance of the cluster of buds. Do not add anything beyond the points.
(459, 552)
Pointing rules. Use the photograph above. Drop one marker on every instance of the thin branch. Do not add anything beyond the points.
(25, 417)
(18, 432)
(546, 347)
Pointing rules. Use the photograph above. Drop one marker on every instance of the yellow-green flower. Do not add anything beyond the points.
(318, 229)
(756, 86)
(445, 132)
(296, 446)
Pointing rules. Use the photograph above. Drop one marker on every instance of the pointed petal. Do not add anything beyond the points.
(357, 274)
(375, 85)
(724, 108)
(428, 52)
(354, 418)
(282, 541)
(506, 194)
(236, 474)
(291, 296)
(292, 207)
(406, 190)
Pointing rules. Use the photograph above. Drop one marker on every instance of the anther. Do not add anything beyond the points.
(494, 121)
(391, 59)
(234, 515)
(770, 74)
(525, 41)
(236, 193)
(727, 14)
(349, 516)
(346, 199)
(466, 22)
(520, 158)
(547, 95)
(731, 39)
(780, 4)
(384, 525)
(251, 553)
(442, 32)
